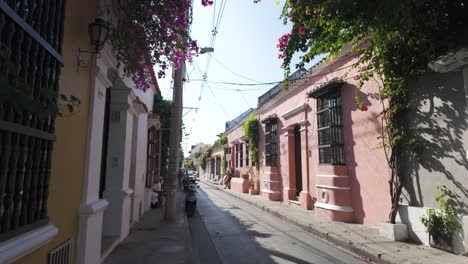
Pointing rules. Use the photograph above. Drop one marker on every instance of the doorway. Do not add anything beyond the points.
(105, 137)
(298, 158)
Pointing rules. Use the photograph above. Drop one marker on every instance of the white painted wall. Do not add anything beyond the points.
(411, 216)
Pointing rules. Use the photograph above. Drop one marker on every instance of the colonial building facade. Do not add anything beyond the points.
(74, 183)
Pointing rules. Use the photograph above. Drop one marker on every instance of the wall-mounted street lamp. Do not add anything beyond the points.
(206, 50)
(98, 34)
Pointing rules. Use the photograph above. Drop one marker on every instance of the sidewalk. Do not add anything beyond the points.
(362, 240)
(151, 240)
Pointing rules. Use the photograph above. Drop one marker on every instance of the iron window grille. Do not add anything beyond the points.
(237, 155)
(330, 129)
(271, 149)
(241, 155)
(247, 154)
(31, 36)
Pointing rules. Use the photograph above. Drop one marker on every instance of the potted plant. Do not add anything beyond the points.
(252, 187)
(443, 224)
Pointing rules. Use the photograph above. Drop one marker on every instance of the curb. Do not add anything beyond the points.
(189, 254)
(332, 238)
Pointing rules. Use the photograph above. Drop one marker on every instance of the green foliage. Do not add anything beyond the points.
(164, 109)
(204, 160)
(18, 94)
(191, 165)
(223, 164)
(443, 224)
(251, 184)
(250, 128)
(222, 140)
(394, 42)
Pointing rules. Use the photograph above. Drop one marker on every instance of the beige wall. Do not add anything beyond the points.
(71, 130)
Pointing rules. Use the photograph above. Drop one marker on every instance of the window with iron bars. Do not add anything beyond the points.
(247, 154)
(31, 35)
(237, 155)
(271, 149)
(241, 155)
(229, 160)
(330, 129)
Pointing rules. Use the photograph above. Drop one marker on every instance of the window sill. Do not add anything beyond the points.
(24, 244)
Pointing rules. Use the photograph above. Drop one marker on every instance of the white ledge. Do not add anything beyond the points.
(24, 244)
(293, 111)
(271, 181)
(331, 176)
(332, 187)
(449, 62)
(128, 192)
(93, 207)
(270, 191)
(333, 207)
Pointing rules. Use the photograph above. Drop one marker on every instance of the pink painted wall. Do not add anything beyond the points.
(295, 100)
(235, 135)
(366, 164)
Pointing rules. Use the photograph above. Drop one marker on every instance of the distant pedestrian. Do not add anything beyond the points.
(179, 178)
(227, 180)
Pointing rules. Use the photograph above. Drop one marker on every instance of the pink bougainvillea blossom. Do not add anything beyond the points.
(302, 30)
(282, 45)
(206, 2)
(152, 33)
(364, 108)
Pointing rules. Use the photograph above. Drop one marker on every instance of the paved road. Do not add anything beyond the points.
(227, 230)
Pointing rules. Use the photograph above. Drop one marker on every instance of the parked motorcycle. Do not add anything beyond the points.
(156, 195)
(191, 199)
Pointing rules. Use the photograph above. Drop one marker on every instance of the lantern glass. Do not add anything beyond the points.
(98, 32)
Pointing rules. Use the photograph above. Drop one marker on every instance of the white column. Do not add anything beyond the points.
(117, 192)
(91, 208)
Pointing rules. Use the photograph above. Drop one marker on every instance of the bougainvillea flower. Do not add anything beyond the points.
(302, 30)
(206, 2)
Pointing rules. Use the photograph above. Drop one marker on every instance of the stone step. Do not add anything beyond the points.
(294, 203)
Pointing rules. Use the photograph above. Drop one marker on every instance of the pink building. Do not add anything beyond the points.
(318, 150)
(238, 155)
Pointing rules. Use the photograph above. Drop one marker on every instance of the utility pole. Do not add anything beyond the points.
(174, 144)
(174, 147)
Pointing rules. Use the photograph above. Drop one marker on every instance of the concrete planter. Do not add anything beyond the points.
(253, 192)
(442, 243)
(395, 232)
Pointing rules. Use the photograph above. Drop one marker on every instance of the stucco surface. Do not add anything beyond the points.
(366, 164)
(439, 106)
(71, 130)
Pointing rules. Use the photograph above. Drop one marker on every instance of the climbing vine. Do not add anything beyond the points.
(250, 128)
(394, 43)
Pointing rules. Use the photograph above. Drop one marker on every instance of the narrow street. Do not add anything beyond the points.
(228, 230)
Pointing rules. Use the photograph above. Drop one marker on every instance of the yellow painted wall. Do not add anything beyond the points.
(71, 130)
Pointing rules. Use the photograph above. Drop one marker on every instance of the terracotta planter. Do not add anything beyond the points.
(253, 192)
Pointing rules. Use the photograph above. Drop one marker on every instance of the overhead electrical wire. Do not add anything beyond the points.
(227, 68)
(214, 32)
(277, 82)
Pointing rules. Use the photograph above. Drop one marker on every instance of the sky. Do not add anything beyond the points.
(244, 52)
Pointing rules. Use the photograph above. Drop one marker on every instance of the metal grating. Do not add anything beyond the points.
(61, 254)
(31, 35)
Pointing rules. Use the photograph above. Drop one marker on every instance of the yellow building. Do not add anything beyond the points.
(66, 196)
